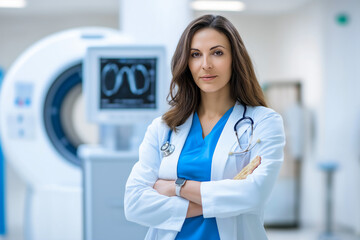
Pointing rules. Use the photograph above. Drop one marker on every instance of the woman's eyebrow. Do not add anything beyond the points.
(195, 49)
(217, 47)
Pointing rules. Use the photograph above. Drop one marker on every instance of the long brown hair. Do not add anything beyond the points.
(185, 95)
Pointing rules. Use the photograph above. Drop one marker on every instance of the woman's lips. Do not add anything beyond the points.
(208, 77)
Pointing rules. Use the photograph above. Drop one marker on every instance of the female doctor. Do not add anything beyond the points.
(182, 187)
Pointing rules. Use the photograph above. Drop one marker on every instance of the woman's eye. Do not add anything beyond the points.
(195, 54)
(218, 53)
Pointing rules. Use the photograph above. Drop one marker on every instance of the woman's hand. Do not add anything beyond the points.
(165, 187)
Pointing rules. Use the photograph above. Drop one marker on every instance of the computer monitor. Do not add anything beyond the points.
(124, 84)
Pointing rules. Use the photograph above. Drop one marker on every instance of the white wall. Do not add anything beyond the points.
(301, 57)
(342, 77)
(20, 32)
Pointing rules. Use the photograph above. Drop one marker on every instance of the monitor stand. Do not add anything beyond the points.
(117, 137)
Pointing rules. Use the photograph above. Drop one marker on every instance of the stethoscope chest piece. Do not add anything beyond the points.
(167, 149)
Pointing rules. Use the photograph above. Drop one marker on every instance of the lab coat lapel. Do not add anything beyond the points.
(226, 142)
(178, 140)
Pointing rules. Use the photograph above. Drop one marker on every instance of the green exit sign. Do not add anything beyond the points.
(342, 19)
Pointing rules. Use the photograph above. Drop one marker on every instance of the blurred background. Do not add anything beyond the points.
(306, 55)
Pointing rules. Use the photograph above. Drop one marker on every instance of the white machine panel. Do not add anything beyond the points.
(106, 172)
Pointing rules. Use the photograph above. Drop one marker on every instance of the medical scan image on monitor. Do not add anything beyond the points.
(124, 84)
(128, 83)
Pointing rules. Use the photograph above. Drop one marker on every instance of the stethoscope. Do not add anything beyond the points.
(167, 148)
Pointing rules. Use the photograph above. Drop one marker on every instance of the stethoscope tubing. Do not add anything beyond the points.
(168, 148)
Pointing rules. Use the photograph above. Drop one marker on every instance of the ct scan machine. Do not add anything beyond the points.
(43, 123)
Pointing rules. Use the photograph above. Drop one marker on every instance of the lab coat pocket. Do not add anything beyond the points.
(235, 164)
(242, 159)
(230, 168)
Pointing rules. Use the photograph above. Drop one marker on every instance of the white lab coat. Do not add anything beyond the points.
(237, 205)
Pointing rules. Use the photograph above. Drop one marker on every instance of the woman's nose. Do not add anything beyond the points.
(206, 65)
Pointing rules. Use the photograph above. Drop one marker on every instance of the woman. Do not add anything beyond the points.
(187, 191)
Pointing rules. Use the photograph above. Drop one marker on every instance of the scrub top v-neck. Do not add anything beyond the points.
(195, 164)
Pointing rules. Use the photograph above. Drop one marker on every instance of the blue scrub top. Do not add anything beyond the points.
(195, 164)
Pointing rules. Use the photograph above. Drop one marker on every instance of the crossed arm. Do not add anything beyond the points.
(191, 189)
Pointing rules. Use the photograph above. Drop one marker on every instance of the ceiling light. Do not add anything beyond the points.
(217, 5)
(12, 3)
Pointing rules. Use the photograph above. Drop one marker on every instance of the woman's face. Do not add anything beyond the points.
(210, 61)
